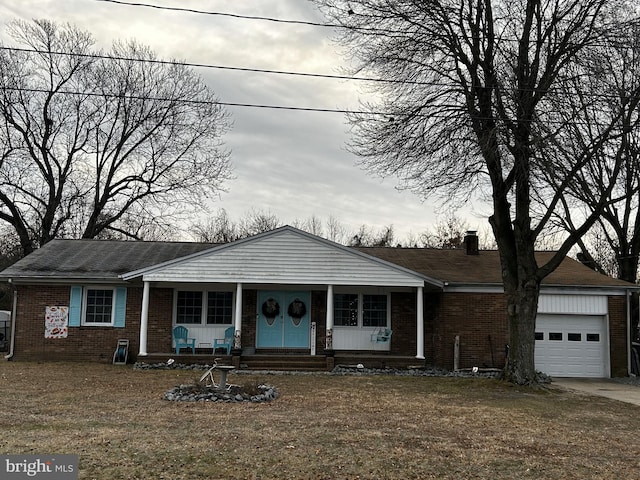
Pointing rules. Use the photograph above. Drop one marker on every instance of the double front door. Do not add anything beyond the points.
(283, 319)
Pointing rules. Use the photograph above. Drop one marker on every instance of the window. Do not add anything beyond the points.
(374, 310)
(345, 309)
(219, 308)
(99, 306)
(574, 337)
(195, 307)
(539, 335)
(555, 336)
(189, 307)
(593, 337)
(360, 310)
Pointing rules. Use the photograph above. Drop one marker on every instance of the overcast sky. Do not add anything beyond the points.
(290, 163)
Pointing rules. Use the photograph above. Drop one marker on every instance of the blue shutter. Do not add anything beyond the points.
(121, 307)
(75, 306)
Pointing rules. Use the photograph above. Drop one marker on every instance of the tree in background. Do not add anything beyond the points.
(469, 91)
(219, 228)
(94, 144)
(368, 237)
(448, 232)
(616, 237)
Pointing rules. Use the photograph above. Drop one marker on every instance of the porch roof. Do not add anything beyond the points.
(284, 256)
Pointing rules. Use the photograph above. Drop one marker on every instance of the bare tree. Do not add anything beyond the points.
(367, 237)
(447, 232)
(336, 231)
(312, 225)
(218, 228)
(90, 142)
(465, 105)
(257, 221)
(617, 82)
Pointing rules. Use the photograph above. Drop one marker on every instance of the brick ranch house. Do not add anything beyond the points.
(295, 300)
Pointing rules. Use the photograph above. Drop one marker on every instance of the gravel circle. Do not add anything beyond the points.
(231, 394)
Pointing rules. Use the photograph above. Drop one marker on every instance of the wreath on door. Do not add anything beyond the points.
(297, 309)
(270, 309)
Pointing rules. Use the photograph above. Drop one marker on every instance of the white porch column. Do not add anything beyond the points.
(420, 324)
(144, 320)
(237, 343)
(329, 320)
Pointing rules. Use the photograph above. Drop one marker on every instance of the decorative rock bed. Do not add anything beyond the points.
(231, 394)
(268, 393)
(417, 371)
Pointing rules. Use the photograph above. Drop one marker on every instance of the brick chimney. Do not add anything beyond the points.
(471, 243)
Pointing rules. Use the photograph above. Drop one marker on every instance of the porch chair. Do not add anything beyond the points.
(225, 342)
(382, 335)
(181, 337)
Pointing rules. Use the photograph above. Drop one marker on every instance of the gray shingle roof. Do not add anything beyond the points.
(96, 259)
(106, 260)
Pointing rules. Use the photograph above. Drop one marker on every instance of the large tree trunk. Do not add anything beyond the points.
(628, 267)
(522, 308)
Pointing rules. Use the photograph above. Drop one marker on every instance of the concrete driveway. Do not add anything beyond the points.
(602, 387)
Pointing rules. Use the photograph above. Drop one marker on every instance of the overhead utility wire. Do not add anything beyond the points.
(207, 65)
(255, 70)
(271, 19)
(201, 102)
(220, 14)
(389, 116)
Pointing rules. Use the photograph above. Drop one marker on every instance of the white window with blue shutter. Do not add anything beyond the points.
(98, 306)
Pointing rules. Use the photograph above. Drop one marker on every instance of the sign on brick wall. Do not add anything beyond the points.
(56, 322)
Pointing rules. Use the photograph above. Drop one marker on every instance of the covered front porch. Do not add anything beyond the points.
(285, 294)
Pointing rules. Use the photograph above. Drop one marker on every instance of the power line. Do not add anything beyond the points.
(623, 38)
(199, 102)
(220, 14)
(207, 65)
(257, 70)
(389, 116)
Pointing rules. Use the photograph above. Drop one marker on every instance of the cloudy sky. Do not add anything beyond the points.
(290, 163)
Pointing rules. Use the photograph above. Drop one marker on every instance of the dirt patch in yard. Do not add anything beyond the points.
(320, 427)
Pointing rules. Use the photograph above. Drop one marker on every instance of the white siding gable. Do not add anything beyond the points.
(573, 304)
(283, 256)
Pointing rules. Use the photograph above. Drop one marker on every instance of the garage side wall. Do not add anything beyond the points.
(618, 336)
(479, 319)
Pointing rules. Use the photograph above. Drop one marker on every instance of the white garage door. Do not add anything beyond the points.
(571, 345)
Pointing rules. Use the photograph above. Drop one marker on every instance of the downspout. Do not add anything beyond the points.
(14, 308)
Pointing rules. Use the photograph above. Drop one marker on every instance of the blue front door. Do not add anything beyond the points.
(283, 319)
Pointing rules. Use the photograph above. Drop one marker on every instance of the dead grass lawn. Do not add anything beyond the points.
(321, 427)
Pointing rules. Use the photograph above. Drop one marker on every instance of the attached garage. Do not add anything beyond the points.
(572, 345)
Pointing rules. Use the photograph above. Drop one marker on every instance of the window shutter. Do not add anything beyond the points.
(121, 307)
(75, 306)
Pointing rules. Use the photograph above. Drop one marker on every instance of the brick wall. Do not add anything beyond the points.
(479, 320)
(319, 315)
(160, 321)
(618, 336)
(249, 300)
(403, 324)
(95, 344)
